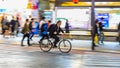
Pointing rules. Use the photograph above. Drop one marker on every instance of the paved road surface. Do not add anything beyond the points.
(33, 57)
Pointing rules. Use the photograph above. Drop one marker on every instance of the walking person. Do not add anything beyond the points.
(17, 26)
(13, 24)
(32, 28)
(2, 23)
(6, 28)
(97, 32)
(44, 30)
(40, 24)
(67, 25)
(101, 34)
(26, 32)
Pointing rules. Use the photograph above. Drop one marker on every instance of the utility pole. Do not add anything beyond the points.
(93, 23)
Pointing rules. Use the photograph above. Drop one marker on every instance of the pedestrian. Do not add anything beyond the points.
(12, 24)
(6, 28)
(40, 24)
(96, 32)
(3, 21)
(26, 32)
(32, 28)
(44, 30)
(17, 26)
(101, 34)
(67, 25)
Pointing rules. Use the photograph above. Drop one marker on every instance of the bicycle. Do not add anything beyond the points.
(64, 45)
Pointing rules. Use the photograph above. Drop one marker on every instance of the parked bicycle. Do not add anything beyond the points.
(64, 45)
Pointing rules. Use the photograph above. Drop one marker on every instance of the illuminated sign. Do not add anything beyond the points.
(48, 15)
(2, 10)
(105, 20)
(89, 4)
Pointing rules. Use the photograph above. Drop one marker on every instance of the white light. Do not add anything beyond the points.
(13, 4)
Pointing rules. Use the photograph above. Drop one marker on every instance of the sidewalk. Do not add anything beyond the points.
(76, 44)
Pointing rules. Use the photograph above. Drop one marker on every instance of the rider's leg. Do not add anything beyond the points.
(44, 36)
(56, 40)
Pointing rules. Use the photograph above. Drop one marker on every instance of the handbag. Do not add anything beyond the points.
(96, 39)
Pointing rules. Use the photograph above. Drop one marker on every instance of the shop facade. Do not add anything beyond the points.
(82, 15)
(79, 14)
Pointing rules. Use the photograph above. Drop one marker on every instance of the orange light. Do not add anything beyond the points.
(75, 1)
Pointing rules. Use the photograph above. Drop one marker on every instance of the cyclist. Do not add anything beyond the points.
(54, 30)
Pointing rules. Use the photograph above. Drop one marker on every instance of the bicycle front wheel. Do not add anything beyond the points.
(65, 46)
(46, 45)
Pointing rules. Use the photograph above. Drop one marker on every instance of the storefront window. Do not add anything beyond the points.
(80, 17)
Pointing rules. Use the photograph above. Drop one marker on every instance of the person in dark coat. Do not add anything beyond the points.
(96, 27)
(96, 31)
(67, 26)
(32, 28)
(54, 30)
(13, 24)
(26, 33)
(101, 34)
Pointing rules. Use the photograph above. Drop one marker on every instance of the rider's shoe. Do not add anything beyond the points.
(54, 46)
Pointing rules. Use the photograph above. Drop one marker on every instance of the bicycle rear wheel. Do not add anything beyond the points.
(65, 46)
(46, 45)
